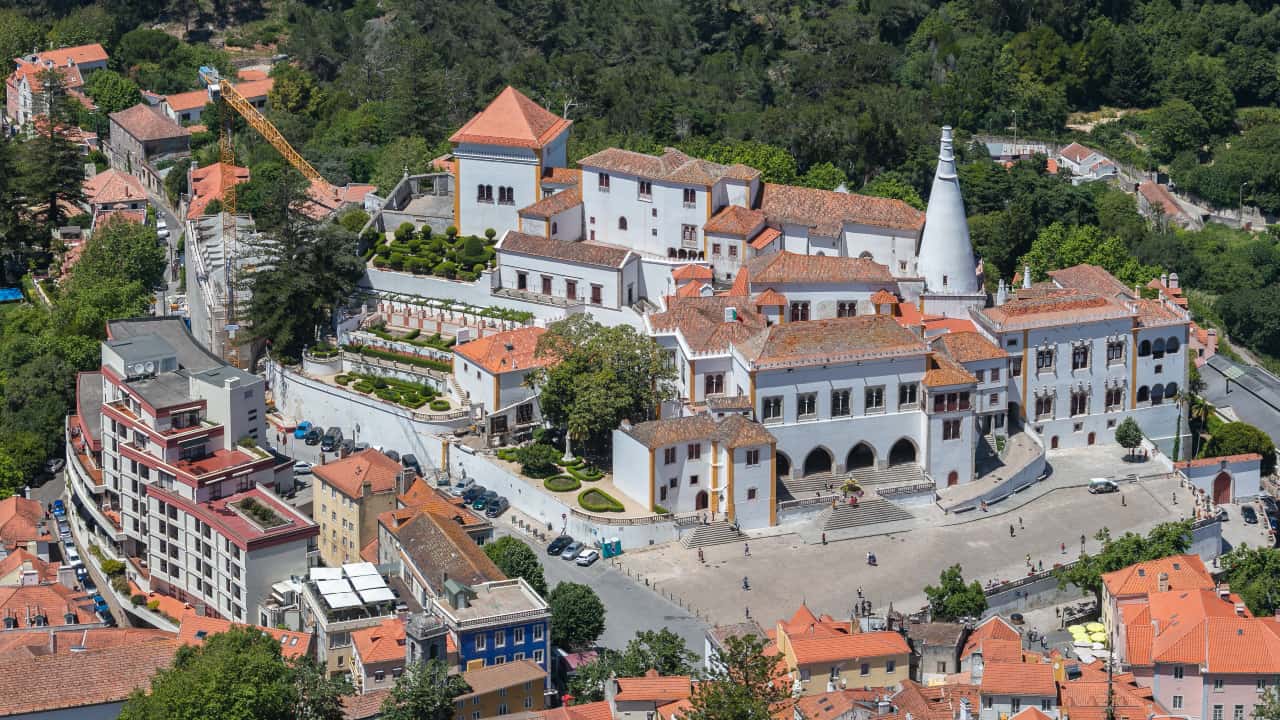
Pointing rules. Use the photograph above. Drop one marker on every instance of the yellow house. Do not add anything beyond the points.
(349, 494)
(512, 687)
(823, 654)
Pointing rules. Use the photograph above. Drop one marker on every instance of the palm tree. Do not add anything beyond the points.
(1198, 414)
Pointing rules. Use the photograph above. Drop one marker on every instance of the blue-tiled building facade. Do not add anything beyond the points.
(503, 644)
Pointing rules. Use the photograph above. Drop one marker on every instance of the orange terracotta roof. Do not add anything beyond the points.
(507, 351)
(993, 628)
(674, 710)
(187, 100)
(561, 176)
(734, 220)
(113, 186)
(999, 650)
(28, 644)
(588, 711)
(1198, 627)
(1185, 572)
(384, 642)
(53, 601)
(367, 467)
(1076, 153)
(552, 205)
(145, 123)
(1219, 460)
(1018, 678)
(694, 289)
(81, 679)
(884, 297)
(421, 496)
(833, 340)
(21, 561)
(691, 272)
(194, 628)
(948, 325)
(512, 120)
(364, 706)
(1091, 279)
(1159, 195)
(585, 253)
(766, 236)
(369, 553)
(836, 647)
(445, 163)
(788, 267)
(701, 321)
(20, 520)
(671, 166)
(825, 212)
(1138, 639)
(255, 89)
(771, 298)
(936, 702)
(1053, 308)
(209, 183)
(1031, 713)
(652, 688)
(1154, 313)
(487, 680)
(967, 347)
(249, 74)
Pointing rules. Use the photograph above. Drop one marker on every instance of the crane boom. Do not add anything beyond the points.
(259, 122)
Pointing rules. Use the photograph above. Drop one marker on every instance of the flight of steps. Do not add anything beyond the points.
(904, 474)
(868, 511)
(716, 533)
(805, 487)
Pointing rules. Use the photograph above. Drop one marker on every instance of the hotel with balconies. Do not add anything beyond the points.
(167, 474)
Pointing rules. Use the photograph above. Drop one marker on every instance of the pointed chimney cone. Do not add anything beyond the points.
(1002, 293)
(1026, 276)
(945, 250)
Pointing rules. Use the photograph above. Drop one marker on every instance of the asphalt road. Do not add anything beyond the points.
(175, 232)
(629, 606)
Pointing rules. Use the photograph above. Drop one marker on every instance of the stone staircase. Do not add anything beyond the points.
(868, 511)
(829, 484)
(715, 533)
(806, 487)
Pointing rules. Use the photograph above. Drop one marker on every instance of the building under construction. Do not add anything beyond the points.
(219, 260)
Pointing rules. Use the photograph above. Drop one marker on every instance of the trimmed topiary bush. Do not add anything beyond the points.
(585, 474)
(597, 500)
(379, 383)
(363, 386)
(342, 379)
(138, 599)
(561, 483)
(439, 405)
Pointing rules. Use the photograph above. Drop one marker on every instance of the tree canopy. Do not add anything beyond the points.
(952, 599)
(1165, 539)
(516, 559)
(577, 616)
(660, 650)
(426, 691)
(1252, 574)
(1238, 438)
(746, 684)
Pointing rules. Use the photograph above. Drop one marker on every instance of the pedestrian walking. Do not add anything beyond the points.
(984, 506)
(1041, 566)
(1028, 559)
(1064, 548)
(1011, 533)
(701, 559)
(1122, 502)
(1020, 526)
(746, 549)
(1175, 497)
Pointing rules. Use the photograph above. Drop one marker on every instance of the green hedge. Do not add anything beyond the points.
(597, 500)
(588, 474)
(561, 483)
(439, 405)
(508, 454)
(342, 379)
(437, 365)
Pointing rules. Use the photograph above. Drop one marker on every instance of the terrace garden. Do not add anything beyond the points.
(424, 253)
(401, 392)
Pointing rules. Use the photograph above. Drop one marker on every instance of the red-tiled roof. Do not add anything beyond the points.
(766, 236)
(1076, 153)
(255, 89)
(421, 496)
(672, 166)
(1197, 627)
(937, 702)
(771, 298)
(367, 467)
(1017, 678)
(701, 320)
(652, 688)
(1212, 461)
(1055, 307)
(384, 642)
(694, 289)
(735, 220)
(585, 253)
(967, 347)
(19, 520)
(552, 205)
(883, 297)
(993, 628)
(53, 601)
(113, 186)
(1091, 279)
(81, 679)
(369, 553)
(20, 561)
(944, 371)
(512, 120)
(194, 628)
(732, 432)
(1156, 194)
(561, 176)
(825, 212)
(835, 648)
(789, 267)
(834, 340)
(507, 351)
(1185, 572)
(145, 123)
(691, 272)
(363, 707)
(249, 74)
(187, 100)
(209, 183)
(487, 680)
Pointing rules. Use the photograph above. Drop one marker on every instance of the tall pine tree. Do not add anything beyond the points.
(50, 164)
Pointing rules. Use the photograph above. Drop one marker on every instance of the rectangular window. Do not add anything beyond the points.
(1015, 369)
(1177, 672)
(689, 235)
(890, 665)
(597, 295)
(807, 405)
(546, 285)
(662, 493)
(669, 456)
(988, 702)
(1115, 352)
(799, 311)
(571, 289)
(603, 182)
(864, 669)
(1114, 398)
(1044, 360)
(1217, 685)
(537, 656)
(1177, 702)
(1079, 403)
(951, 430)
(674, 483)
(713, 383)
(839, 403)
(538, 631)
(518, 638)
(500, 639)
(771, 408)
(1237, 712)
(715, 249)
(1080, 357)
(690, 197)
(693, 479)
(481, 643)
(645, 190)
(751, 493)
(980, 375)
(995, 374)
(846, 308)
(1015, 704)
(993, 400)
(694, 451)
(874, 398)
(907, 395)
(753, 457)
(1046, 705)
(1217, 712)
(733, 250)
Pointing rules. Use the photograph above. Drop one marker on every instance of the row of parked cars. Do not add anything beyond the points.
(480, 498)
(71, 556)
(566, 548)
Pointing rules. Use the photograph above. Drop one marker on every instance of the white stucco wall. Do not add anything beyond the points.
(510, 265)
(516, 168)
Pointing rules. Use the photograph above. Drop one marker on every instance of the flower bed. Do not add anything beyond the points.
(402, 392)
(259, 513)
(597, 500)
(540, 461)
(561, 483)
(413, 337)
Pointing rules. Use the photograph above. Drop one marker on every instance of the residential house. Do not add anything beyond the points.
(790, 287)
(497, 690)
(495, 622)
(1007, 688)
(23, 89)
(1156, 202)
(1086, 164)
(23, 526)
(1087, 692)
(717, 637)
(114, 189)
(492, 372)
(348, 496)
(993, 640)
(92, 683)
(837, 705)
(948, 701)
(339, 602)
(638, 698)
(821, 654)
(429, 549)
(210, 183)
(142, 136)
(20, 567)
(552, 271)
(194, 629)
(45, 605)
(378, 655)
(935, 650)
(1133, 585)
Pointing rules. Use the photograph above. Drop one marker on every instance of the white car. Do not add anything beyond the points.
(587, 557)
(301, 468)
(460, 487)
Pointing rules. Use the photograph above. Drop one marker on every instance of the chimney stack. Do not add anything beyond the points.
(1162, 581)
(1002, 293)
(1173, 281)
(1240, 609)
(1026, 276)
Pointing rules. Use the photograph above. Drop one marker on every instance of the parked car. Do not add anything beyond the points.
(588, 557)
(571, 551)
(1099, 486)
(331, 440)
(460, 487)
(471, 493)
(301, 430)
(410, 462)
(1269, 505)
(59, 509)
(70, 554)
(1220, 514)
(55, 465)
(64, 530)
(315, 435)
(100, 603)
(1249, 515)
(558, 545)
(496, 507)
(483, 501)
(392, 454)
(347, 446)
(301, 468)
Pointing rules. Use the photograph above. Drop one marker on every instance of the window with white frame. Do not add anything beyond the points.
(1079, 403)
(1080, 357)
(846, 308)
(1044, 360)
(1044, 406)
(951, 430)
(644, 190)
(753, 457)
(771, 408)
(807, 405)
(690, 197)
(907, 395)
(839, 403)
(1115, 352)
(602, 182)
(874, 399)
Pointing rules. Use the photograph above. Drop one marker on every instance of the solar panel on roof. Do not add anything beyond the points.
(337, 601)
(360, 568)
(324, 573)
(377, 595)
(329, 587)
(367, 582)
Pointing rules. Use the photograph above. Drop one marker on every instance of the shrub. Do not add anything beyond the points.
(379, 261)
(561, 483)
(404, 232)
(424, 232)
(342, 379)
(597, 500)
(467, 276)
(508, 454)
(397, 261)
(490, 233)
(387, 394)
(413, 401)
(451, 232)
(384, 251)
(138, 599)
(379, 383)
(585, 474)
(247, 442)
(413, 334)
(437, 365)
(120, 584)
(538, 460)
(416, 245)
(445, 269)
(112, 568)
(478, 268)
(153, 605)
(439, 405)
(363, 386)
(661, 510)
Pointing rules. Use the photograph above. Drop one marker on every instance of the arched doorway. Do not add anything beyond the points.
(1092, 438)
(902, 452)
(1222, 488)
(1053, 443)
(817, 461)
(700, 502)
(782, 465)
(861, 456)
(953, 478)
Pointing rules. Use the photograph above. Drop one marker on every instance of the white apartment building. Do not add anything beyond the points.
(187, 493)
(1087, 352)
(501, 155)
